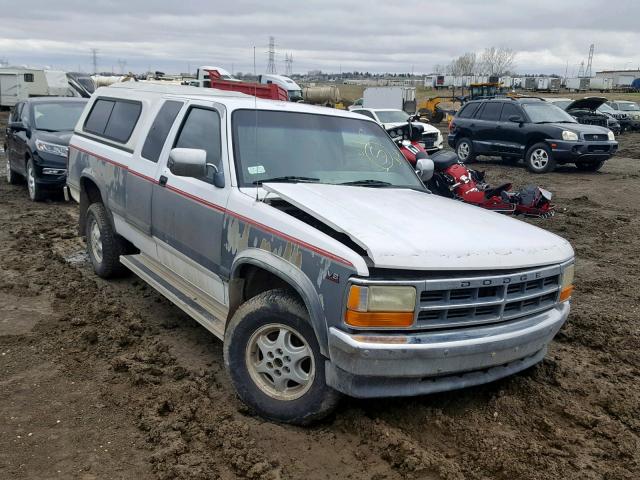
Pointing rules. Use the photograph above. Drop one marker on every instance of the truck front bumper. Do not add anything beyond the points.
(582, 151)
(368, 365)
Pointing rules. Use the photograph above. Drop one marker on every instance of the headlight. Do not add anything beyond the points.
(380, 306)
(611, 135)
(52, 148)
(569, 136)
(566, 287)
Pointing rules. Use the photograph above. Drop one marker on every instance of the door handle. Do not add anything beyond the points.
(163, 180)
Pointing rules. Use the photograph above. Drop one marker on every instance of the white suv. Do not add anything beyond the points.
(301, 237)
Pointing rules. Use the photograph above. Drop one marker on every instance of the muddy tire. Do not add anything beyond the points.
(36, 194)
(590, 166)
(272, 356)
(103, 245)
(464, 150)
(539, 158)
(12, 177)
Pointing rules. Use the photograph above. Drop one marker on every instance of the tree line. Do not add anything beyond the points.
(492, 61)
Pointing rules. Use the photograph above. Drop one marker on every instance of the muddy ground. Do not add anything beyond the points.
(108, 380)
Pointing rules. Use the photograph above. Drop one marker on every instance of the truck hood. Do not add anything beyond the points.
(407, 229)
(587, 103)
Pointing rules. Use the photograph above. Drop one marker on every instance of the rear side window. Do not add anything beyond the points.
(509, 110)
(113, 119)
(160, 129)
(491, 111)
(468, 110)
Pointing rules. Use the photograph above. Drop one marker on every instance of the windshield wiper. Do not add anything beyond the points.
(46, 129)
(368, 183)
(287, 179)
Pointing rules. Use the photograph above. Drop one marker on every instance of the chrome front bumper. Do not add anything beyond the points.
(389, 365)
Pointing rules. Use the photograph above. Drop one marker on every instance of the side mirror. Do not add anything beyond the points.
(424, 169)
(188, 162)
(515, 119)
(17, 127)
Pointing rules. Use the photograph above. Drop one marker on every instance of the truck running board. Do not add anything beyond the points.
(210, 313)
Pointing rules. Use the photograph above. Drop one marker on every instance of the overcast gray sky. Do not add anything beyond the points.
(376, 36)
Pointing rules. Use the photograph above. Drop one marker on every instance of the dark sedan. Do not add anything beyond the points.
(37, 142)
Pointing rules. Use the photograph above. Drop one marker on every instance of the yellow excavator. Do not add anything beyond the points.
(437, 109)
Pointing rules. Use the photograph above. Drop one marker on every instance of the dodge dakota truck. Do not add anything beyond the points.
(301, 238)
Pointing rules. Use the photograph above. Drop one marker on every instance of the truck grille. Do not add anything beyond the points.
(596, 137)
(462, 302)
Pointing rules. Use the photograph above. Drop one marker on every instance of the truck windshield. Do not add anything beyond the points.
(57, 116)
(544, 112)
(291, 146)
(392, 116)
(295, 95)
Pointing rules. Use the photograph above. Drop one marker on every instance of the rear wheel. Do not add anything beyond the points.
(35, 190)
(593, 166)
(464, 150)
(104, 246)
(539, 158)
(274, 361)
(12, 177)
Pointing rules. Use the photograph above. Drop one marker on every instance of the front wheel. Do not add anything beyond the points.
(539, 158)
(590, 166)
(35, 190)
(272, 356)
(464, 150)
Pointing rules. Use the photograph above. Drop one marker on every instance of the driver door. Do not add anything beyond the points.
(187, 213)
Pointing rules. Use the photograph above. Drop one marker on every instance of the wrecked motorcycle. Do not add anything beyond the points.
(455, 180)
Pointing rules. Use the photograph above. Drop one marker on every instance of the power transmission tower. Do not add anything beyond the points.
(288, 61)
(122, 63)
(271, 66)
(581, 70)
(94, 58)
(588, 72)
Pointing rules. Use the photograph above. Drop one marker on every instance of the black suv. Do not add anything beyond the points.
(530, 128)
(37, 140)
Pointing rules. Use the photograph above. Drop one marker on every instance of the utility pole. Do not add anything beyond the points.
(271, 65)
(94, 58)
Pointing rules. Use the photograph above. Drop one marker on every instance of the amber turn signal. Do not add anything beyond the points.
(378, 319)
(565, 293)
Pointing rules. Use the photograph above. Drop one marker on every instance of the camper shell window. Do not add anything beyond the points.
(113, 119)
(28, 77)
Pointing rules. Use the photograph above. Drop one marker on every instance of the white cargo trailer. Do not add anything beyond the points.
(401, 98)
(578, 84)
(548, 84)
(600, 84)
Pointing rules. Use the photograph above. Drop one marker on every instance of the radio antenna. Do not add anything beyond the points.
(255, 108)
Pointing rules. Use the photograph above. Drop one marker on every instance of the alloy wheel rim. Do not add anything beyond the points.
(463, 150)
(280, 362)
(539, 158)
(96, 242)
(31, 182)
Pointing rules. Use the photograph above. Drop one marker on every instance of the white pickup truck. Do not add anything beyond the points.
(300, 237)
